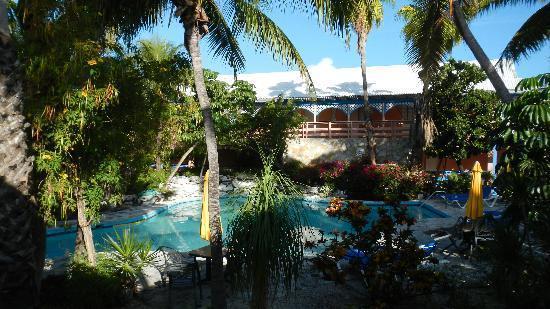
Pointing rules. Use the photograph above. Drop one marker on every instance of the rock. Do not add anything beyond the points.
(131, 198)
(224, 178)
(226, 187)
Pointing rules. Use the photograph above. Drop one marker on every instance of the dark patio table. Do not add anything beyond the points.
(206, 253)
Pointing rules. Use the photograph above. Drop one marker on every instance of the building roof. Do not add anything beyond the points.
(330, 81)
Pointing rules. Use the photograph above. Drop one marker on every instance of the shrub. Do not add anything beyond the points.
(376, 182)
(389, 258)
(457, 183)
(83, 286)
(301, 173)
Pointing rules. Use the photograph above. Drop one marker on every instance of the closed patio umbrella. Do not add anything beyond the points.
(474, 205)
(205, 218)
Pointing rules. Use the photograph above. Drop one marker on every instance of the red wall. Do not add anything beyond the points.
(433, 164)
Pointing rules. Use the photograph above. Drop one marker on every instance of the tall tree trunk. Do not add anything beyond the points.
(84, 240)
(159, 145)
(478, 52)
(424, 124)
(192, 38)
(371, 142)
(22, 231)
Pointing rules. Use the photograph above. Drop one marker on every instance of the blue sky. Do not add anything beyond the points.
(385, 44)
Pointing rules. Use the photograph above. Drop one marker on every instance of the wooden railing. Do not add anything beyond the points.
(355, 129)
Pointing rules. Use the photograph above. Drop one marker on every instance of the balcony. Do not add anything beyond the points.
(355, 129)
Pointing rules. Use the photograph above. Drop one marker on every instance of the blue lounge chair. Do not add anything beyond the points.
(359, 256)
(459, 199)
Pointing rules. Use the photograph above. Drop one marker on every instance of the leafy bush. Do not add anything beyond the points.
(388, 255)
(376, 182)
(457, 183)
(83, 286)
(464, 117)
(301, 173)
(151, 179)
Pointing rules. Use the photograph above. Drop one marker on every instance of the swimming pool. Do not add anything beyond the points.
(177, 225)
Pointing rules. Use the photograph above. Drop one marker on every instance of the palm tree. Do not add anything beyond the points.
(429, 37)
(479, 54)
(21, 232)
(366, 14)
(530, 37)
(205, 17)
(156, 50)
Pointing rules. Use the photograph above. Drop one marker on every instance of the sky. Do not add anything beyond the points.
(385, 45)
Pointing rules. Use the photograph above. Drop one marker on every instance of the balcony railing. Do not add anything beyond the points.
(355, 129)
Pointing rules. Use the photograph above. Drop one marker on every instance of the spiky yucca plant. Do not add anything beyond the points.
(264, 243)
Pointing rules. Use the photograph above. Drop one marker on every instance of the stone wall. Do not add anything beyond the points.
(318, 150)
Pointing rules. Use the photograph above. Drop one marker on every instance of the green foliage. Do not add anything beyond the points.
(388, 257)
(264, 241)
(128, 257)
(520, 278)
(524, 168)
(429, 34)
(83, 286)
(270, 126)
(464, 117)
(457, 183)
(388, 182)
(301, 173)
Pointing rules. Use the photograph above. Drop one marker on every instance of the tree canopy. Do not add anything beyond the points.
(464, 117)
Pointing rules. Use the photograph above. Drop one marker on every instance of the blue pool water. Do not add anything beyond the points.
(178, 226)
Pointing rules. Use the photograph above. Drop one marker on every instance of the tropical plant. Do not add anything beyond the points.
(128, 257)
(21, 231)
(364, 181)
(264, 242)
(524, 168)
(429, 35)
(380, 248)
(532, 34)
(464, 117)
(269, 127)
(530, 37)
(83, 286)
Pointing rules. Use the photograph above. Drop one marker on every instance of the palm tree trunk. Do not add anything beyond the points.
(84, 240)
(371, 142)
(480, 55)
(425, 125)
(218, 284)
(22, 231)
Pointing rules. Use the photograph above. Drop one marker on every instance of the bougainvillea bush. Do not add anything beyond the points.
(375, 182)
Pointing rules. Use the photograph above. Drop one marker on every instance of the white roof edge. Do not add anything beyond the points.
(341, 82)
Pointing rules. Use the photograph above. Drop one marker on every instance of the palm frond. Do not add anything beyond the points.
(429, 33)
(530, 37)
(129, 17)
(266, 35)
(222, 41)
(483, 6)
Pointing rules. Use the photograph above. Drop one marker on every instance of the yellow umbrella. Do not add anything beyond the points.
(474, 206)
(205, 218)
